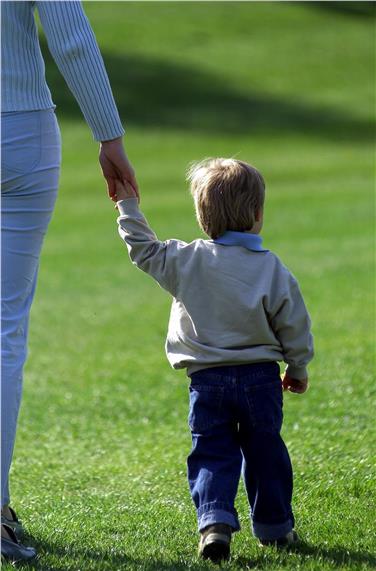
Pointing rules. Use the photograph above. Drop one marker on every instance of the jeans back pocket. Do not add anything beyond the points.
(21, 142)
(265, 404)
(205, 407)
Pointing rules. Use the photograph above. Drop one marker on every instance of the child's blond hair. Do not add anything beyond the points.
(228, 195)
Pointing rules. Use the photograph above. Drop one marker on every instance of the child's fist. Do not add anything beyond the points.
(294, 385)
(124, 190)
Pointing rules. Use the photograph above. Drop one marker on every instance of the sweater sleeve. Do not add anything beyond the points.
(159, 259)
(73, 46)
(291, 325)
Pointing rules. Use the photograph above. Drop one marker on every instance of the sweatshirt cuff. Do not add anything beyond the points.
(298, 373)
(128, 207)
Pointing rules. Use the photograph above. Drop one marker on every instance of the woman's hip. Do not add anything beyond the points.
(30, 152)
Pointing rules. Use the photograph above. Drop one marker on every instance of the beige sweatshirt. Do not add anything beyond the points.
(233, 301)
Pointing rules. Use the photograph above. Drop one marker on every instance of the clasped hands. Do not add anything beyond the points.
(123, 190)
(117, 170)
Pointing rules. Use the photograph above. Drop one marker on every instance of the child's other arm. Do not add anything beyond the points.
(292, 326)
(145, 250)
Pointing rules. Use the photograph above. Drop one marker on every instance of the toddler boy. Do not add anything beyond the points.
(236, 312)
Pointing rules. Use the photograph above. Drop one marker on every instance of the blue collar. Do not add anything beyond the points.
(250, 241)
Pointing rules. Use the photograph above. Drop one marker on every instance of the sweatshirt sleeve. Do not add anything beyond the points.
(73, 46)
(292, 326)
(159, 259)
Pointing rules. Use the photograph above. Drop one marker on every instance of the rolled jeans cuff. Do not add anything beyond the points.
(271, 531)
(217, 512)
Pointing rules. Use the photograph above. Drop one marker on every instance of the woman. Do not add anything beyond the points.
(30, 175)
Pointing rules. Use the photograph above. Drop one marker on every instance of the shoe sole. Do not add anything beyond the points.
(216, 548)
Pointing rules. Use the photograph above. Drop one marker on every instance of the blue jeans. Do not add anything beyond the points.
(30, 166)
(235, 419)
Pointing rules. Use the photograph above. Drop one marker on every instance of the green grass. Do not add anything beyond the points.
(99, 469)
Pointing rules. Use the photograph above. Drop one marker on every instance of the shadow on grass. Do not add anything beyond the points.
(93, 559)
(337, 556)
(154, 93)
(357, 9)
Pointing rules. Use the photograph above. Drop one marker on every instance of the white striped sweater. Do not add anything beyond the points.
(73, 46)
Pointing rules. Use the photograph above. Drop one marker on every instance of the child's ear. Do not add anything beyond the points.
(259, 215)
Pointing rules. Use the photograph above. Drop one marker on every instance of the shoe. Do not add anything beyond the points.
(12, 549)
(215, 542)
(14, 523)
(287, 540)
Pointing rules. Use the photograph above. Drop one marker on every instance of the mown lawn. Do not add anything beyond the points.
(99, 470)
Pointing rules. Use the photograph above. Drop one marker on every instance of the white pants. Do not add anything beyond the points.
(30, 165)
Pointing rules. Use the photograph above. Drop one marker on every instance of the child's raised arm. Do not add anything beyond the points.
(157, 258)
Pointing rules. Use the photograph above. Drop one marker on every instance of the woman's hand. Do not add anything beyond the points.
(116, 166)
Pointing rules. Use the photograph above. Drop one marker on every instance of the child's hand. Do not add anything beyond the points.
(123, 190)
(294, 385)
